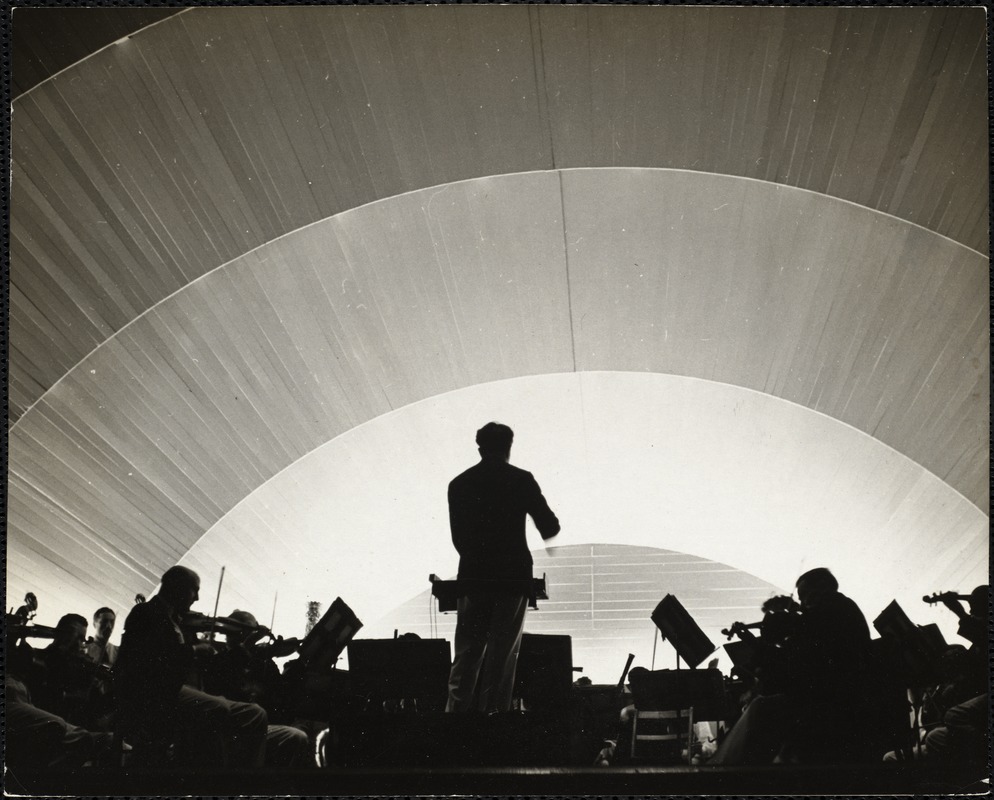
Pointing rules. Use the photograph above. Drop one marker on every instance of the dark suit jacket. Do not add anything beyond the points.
(153, 659)
(487, 508)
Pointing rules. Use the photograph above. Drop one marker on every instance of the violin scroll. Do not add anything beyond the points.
(26, 613)
(741, 629)
(19, 625)
(944, 597)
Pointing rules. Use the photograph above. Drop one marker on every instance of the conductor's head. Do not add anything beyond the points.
(494, 441)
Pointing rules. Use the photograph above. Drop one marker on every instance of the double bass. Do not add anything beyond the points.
(21, 658)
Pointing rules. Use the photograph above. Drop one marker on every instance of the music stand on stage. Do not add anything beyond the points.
(674, 623)
(919, 649)
(385, 670)
(325, 642)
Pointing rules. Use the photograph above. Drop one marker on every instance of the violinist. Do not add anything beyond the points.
(98, 648)
(764, 666)
(243, 668)
(828, 665)
(958, 708)
(826, 652)
(61, 685)
(973, 624)
(154, 662)
(965, 671)
(39, 738)
(247, 666)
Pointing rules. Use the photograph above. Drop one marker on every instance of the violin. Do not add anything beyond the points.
(98, 672)
(195, 622)
(251, 636)
(242, 668)
(944, 597)
(951, 600)
(742, 630)
(278, 647)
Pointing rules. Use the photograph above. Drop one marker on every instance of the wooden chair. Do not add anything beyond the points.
(662, 735)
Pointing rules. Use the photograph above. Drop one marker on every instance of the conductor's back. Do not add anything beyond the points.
(488, 504)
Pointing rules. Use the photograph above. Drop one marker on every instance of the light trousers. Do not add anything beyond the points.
(487, 640)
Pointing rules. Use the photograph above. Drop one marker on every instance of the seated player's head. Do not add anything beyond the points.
(180, 587)
(103, 623)
(979, 602)
(245, 618)
(70, 633)
(815, 585)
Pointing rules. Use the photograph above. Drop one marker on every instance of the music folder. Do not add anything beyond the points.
(325, 642)
(686, 636)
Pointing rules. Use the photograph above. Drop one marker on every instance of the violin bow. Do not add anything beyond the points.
(217, 600)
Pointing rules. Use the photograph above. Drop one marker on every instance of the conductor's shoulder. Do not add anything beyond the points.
(521, 474)
(462, 477)
(485, 472)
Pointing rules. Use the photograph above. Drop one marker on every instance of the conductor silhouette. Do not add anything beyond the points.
(488, 504)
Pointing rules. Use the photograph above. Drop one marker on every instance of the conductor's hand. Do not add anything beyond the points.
(550, 545)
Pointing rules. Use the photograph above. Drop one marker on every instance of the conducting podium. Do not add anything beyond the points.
(448, 592)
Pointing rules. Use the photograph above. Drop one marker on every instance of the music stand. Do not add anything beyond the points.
(676, 624)
(743, 655)
(325, 642)
(917, 651)
(401, 669)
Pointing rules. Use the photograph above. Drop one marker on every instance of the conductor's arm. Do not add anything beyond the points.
(545, 520)
(457, 520)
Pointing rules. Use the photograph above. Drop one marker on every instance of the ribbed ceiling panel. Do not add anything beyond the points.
(47, 40)
(162, 430)
(207, 135)
(867, 319)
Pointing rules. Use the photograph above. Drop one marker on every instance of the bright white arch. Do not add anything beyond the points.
(724, 473)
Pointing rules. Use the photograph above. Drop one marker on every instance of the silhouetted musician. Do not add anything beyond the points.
(488, 504)
(973, 625)
(817, 714)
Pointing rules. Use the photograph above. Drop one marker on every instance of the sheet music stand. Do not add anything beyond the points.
(325, 642)
(676, 624)
(417, 670)
(918, 652)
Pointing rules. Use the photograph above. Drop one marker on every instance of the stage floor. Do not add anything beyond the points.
(890, 779)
